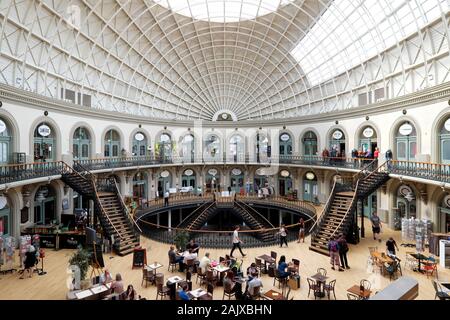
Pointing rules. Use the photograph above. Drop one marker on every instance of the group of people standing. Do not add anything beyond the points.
(338, 248)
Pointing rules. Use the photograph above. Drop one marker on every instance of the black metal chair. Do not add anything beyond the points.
(312, 285)
(351, 296)
(322, 271)
(439, 291)
(330, 287)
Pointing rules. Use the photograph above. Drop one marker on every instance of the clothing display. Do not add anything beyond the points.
(418, 231)
(7, 249)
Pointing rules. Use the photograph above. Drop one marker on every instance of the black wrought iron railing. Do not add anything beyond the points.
(18, 172)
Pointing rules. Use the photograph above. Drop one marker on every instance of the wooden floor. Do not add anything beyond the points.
(53, 285)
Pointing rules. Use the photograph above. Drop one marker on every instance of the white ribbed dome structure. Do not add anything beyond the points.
(197, 59)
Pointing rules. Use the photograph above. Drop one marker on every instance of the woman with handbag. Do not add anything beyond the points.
(343, 249)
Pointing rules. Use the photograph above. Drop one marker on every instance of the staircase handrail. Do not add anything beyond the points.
(67, 168)
(189, 215)
(254, 210)
(356, 175)
(325, 209)
(196, 219)
(376, 170)
(125, 207)
(103, 209)
(350, 208)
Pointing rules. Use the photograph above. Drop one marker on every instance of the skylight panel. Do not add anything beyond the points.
(352, 31)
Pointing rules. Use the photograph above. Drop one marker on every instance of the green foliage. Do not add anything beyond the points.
(81, 259)
(181, 239)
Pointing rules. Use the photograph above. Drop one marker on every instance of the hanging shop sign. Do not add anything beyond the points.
(44, 130)
(310, 176)
(285, 137)
(446, 125)
(405, 190)
(2, 126)
(405, 129)
(165, 174)
(236, 172)
(139, 136)
(188, 172)
(447, 199)
(284, 173)
(337, 135)
(368, 132)
(3, 201)
(212, 172)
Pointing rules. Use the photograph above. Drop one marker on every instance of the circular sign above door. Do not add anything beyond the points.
(284, 173)
(2, 126)
(188, 172)
(310, 176)
(337, 135)
(164, 174)
(285, 137)
(139, 136)
(446, 125)
(405, 190)
(368, 132)
(405, 129)
(44, 130)
(236, 172)
(212, 172)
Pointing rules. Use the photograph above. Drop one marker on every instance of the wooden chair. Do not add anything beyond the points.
(351, 296)
(330, 288)
(211, 278)
(228, 291)
(200, 275)
(190, 265)
(162, 291)
(322, 271)
(277, 278)
(256, 293)
(273, 254)
(296, 263)
(147, 276)
(366, 284)
(312, 285)
(260, 266)
(172, 265)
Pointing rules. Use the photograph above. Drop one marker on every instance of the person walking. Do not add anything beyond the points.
(283, 235)
(166, 199)
(376, 226)
(390, 246)
(236, 242)
(301, 231)
(333, 248)
(343, 249)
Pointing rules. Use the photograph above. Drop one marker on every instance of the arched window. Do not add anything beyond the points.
(140, 188)
(337, 144)
(81, 144)
(5, 216)
(368, 140)
(263, 151)
(44, 143)
(310, 189)
(187, 150)
(164, 147)
(406, 142)
(444, 142)
(237, 180)
(5, 142)
(164, 182)
(405, 201)
(237, 148)
(140, 144)
(45, 205)
(309, 144)
(212, 147)
(285, 144)
(112, 144)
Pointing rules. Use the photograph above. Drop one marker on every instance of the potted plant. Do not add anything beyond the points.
(81, 259)
(181, 239)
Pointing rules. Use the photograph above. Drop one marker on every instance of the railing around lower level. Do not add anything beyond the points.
(17, 172)
(424, 170)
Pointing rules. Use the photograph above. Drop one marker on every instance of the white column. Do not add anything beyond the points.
(280, 217)
(157, 220)
(169, 217)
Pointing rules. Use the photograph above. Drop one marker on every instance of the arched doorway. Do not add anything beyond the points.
(140, 188)
(444, 214)
(5, 142)
(405, 202)
(140, 144)
(188, 180)
(237, 148)
(237, 180)
(163, 148)
(212, 180)
(45, 205)
(44, 143)
(112, 144)
(261, 180)
(285, 183)
(164, 182)
(81, 146)
(262, 151)
(337, 143)
(309, 144)
(405, 142)
(5, 217)
(444, 142)
(187, 150)
(368, 139)
(212, 147)
(285, 144)
(310, 189)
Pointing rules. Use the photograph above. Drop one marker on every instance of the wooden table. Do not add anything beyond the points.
(383, 258)
(274, 295)
(320, 280)
(267, 259)
(361, 294)
(152, 267)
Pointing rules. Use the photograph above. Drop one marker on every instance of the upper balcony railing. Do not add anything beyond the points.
(424, 170)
